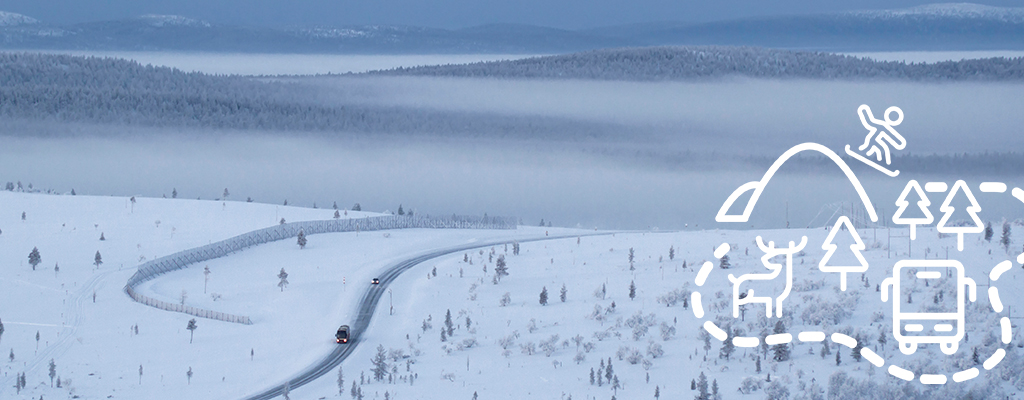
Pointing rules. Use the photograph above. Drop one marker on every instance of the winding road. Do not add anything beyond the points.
(366, 308)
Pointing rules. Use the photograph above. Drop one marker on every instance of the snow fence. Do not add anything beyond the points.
(183, 259)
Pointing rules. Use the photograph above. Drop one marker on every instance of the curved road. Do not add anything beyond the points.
(368, 305)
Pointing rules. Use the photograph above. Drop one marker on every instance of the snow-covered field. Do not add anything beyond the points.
(502, 351)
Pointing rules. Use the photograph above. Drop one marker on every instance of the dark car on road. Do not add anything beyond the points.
(342, 335)
(375, 281)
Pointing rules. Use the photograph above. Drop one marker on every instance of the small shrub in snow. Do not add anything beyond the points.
(675, 296)
(667, 331)
(505, 299)
(776, 391)
(507, 341)
(655, 350)
(550, 345)
(750, 384)
(633, 356)
(528, 348)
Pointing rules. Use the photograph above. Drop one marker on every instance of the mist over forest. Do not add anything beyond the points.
(573, 151)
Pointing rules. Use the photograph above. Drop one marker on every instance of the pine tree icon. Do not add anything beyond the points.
(948, 211)
(856, 248)
(922, 204)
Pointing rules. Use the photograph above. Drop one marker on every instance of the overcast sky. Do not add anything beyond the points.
(572, 14)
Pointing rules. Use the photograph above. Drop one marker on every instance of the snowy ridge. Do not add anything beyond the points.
(14, 19)
(160, 21)
(949, 10)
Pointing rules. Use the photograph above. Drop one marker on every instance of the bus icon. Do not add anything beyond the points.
(924, 309)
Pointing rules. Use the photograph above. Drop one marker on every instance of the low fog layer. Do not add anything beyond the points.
(742, 116)
(564, 187)
(629, 155)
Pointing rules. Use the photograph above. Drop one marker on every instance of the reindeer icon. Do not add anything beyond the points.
(770, 251)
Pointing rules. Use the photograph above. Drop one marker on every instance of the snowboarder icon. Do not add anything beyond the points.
(881, 135)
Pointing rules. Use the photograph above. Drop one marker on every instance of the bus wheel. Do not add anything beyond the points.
(908, 348)
(949, 348)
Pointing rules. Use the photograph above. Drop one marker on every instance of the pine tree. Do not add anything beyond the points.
(284, 279)
(561, 295)
(988, 231)
(500, 268)
(98, 260)
(632, 290)
(380, 364)
(174, 193)
(53, 371)
(843, 224)
(34, 258)
(337, 214)
(855, 351)
(728, 347)
(631, 259)
(757, 364)
(448, 324)
(693, 384)
(702, 388)
(608, 372)
(302, 239)
(671, 253)
(400, 210)
(356, 207)
(354, 391)
(657, 392)
(191, 329)
(102, 237)
(724, 264)
(1005, 239)
(591, 374)
(544, 296)
(341, 381)
(839, 358)
(714, 389)
(948, 211)
(2, 332)
(781, 350)
(922, 204)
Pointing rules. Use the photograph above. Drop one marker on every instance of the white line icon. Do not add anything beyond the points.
(758, 186)
(749, 297)
(948, 210)
(883, 135)
(922, 204)
(843, 224)
(927, 320)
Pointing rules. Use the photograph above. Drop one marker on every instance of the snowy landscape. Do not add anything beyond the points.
(621, 296)
(194, 207)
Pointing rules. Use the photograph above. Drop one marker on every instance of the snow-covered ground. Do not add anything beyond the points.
(94, 346)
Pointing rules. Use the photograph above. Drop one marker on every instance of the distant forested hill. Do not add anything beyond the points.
(701, 62)
(62, 88)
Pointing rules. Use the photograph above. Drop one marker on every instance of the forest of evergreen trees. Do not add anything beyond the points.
(62, 88)
(702, 62)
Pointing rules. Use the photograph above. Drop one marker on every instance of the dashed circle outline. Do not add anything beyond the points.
(992, 361)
